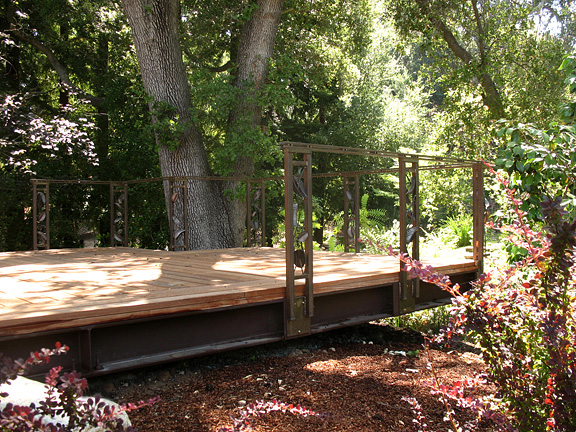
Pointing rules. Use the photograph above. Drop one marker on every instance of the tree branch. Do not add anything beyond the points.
(480, 40)
(491, 96)
(60, 69)
(458, 50)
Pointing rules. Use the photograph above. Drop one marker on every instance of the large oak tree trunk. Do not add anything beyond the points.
(155, 26)
(254, 51)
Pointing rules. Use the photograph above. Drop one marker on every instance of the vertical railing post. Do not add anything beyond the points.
(171, 201)
(263, 212)
(178, 228)
(40, 215)
(352, 213)
(118, 214)
(409, 203)
(248, 213)
(309, 247)
(253, 209)
(414, 231)
(298, 309)
(290, 222)
(478, 216)
(112, 216)
(126, 214)
(347, 202)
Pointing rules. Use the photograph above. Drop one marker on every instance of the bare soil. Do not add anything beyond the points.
(355, 377)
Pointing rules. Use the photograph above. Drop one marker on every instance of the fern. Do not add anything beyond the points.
(372, 226)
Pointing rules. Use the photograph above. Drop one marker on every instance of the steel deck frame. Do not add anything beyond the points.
(112, 346)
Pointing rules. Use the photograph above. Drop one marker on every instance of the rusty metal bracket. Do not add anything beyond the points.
(40, 215)
(301, 324)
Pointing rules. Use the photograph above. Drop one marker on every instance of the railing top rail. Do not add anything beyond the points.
(324, 148)
(442, 162)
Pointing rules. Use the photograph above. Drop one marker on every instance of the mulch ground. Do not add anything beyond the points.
(356, 378)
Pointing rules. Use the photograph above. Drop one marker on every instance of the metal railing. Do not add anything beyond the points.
(298, 186)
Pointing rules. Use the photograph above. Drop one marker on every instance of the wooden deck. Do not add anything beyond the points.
(57, 290)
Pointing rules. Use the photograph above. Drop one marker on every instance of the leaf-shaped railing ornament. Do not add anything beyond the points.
(299, 186)
(300, 259)
(411, 233)
(412, 186)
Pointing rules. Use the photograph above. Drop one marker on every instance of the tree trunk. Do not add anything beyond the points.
(254, 51)
(155, 28)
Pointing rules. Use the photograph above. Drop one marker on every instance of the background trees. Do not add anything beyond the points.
(405, 75)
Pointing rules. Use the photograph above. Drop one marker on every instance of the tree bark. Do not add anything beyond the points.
(155, 28)
(255, 49)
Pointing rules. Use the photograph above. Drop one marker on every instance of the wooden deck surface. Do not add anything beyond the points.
(66, 288)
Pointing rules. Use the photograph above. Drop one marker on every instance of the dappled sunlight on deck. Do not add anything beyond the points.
(52, 289)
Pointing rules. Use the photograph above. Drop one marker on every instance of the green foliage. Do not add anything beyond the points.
(542, 162)
(383, 236)
(521, 318)
(506, 48)
(460, 230)
(429, 321)
(444, 194)
(372, 227)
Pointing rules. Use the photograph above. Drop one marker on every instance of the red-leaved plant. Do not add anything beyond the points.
(523, 319)
(63, 392)
(251, 411)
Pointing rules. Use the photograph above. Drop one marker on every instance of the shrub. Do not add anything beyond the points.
(63, 394)
(522, 318)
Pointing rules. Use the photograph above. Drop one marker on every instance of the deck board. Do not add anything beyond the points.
(55, 289)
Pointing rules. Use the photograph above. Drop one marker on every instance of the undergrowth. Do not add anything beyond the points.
(63, 393)
(522, 318)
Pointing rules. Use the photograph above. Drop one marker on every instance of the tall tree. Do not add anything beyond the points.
(476, 50)
(155, 29)
(254, 51)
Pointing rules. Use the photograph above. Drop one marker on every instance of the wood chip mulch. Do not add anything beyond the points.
(357, 386)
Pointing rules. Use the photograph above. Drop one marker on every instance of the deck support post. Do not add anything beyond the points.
(352, 213)
(40, 214)
(478, 216)
(409, 196)
(118, 214)
(255, 212)
(299, 248)
(85, 351)
(178, 228)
